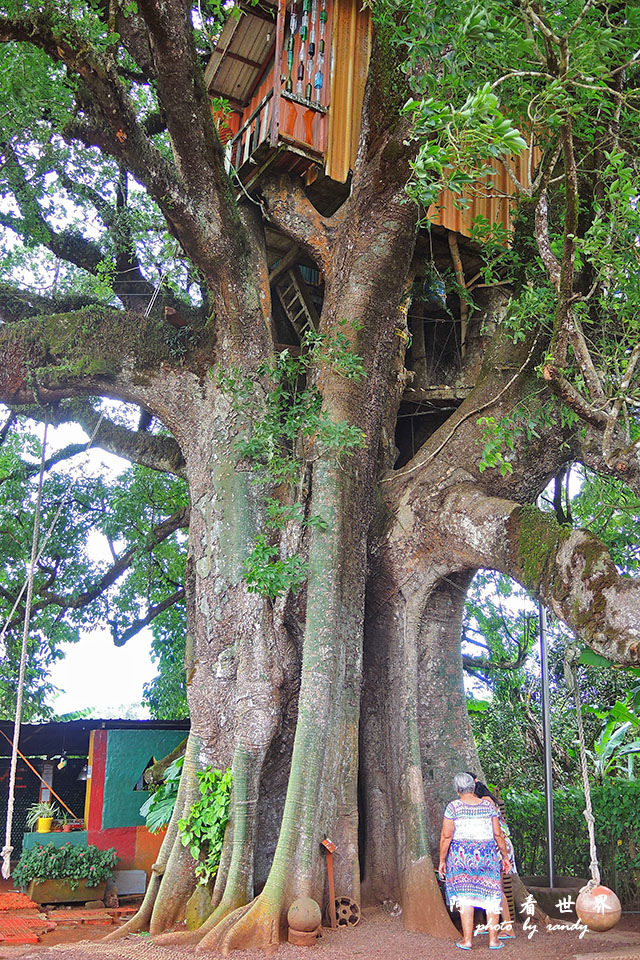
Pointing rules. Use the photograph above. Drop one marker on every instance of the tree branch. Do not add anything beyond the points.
(288, 207)
(98, 351)
(120, 639)
(160, 453)
(112, 115)
(31, 470)
(487, 664)
(542, 239)
(18, 304)
(592, 413)
(182, 92)
(570, 570)
(129, 284)
(6, 426)
(66, 244)
(47, 597)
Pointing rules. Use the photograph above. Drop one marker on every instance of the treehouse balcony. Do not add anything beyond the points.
(292, 76)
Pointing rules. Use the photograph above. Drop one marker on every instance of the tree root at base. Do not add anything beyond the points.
(254, 926)
(140, 921)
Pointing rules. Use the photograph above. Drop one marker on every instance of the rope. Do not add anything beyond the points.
(36, 554)
(571, 677)
(7, 850)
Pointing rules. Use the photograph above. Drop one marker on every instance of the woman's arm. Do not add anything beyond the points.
(502, 847)
(445, 843)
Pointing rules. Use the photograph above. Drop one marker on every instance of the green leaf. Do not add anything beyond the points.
(593, 659)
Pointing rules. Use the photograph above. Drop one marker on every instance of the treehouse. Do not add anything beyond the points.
(287, 84)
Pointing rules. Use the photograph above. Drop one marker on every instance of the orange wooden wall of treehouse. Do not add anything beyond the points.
(293, 73)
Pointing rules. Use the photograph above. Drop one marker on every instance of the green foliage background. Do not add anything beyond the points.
(615, 807)
(120, 510)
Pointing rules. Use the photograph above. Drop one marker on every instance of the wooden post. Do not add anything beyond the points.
(330, 847)
(277, 69)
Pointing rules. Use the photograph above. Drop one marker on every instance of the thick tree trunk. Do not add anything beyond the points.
(241, 666)
(413, 737)
(447, 746)
(362, 300)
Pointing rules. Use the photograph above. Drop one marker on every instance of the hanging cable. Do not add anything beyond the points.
(7, 850)
(47, 536)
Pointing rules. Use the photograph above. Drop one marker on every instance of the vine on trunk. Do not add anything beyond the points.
(289, 430)
(202, 830)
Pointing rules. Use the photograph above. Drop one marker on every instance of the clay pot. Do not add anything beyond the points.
(599, 908)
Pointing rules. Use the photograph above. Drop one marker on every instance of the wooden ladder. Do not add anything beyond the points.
(296, 301)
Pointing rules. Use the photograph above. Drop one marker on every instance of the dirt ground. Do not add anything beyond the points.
(377, 937)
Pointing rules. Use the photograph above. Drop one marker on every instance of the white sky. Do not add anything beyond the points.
(97, 674)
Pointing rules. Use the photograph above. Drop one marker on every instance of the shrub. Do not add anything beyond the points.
(68, 862)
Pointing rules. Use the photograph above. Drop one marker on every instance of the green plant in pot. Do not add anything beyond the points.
(61, 871)
(41, 815)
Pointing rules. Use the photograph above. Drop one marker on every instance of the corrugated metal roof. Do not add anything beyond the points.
(495, 202)
(244, 46)
(51, 736)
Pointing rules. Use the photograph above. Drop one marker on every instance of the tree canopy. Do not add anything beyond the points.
(112, 559)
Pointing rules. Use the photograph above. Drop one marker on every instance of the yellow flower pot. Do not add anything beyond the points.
(44, 824)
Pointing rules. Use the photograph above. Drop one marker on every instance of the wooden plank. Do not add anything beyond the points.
(267, 65)
(284, 263)
(303, 149)
(226, 38)
(277, 84)
(236, 56)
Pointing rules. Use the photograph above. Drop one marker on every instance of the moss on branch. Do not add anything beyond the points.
(537, 540)
(60, 351)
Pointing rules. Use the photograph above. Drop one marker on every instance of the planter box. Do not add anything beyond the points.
(565, 888)
(59, 891)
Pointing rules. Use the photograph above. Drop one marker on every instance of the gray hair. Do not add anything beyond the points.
(464, 783)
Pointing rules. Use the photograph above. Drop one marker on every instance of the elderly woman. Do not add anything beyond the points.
(469, 844)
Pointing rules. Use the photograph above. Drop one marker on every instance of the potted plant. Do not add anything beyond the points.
(40, 815)
(64, 874)
(69, 824)
(66, 822)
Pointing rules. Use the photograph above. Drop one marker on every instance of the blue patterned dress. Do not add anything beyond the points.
(473, 861)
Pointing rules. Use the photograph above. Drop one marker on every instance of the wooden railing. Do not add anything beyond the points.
(251, 134)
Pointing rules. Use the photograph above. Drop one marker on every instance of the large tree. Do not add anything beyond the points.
(326, 568)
